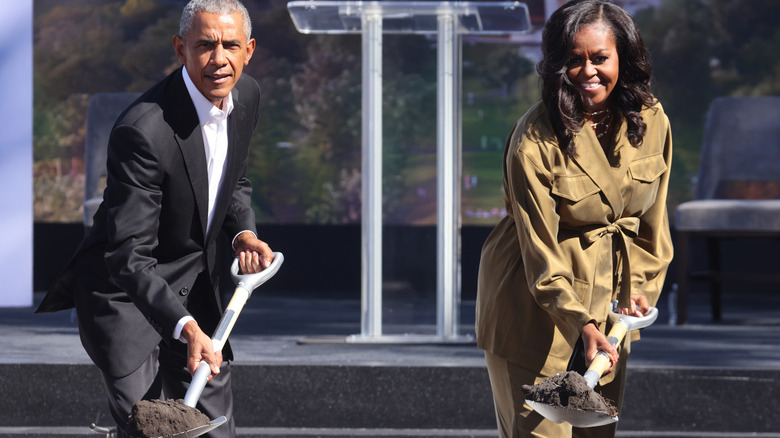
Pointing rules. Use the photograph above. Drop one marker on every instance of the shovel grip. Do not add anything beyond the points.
(252, 281)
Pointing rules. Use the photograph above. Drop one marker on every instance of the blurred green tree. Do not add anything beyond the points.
(306, 154)
(703, 49)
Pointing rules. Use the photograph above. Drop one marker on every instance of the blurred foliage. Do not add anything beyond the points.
(703, 49)
(306, 154)
(57, 195)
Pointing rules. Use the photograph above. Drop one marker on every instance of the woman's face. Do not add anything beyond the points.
(593, 67)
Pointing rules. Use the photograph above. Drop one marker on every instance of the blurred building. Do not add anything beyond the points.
(529, 44)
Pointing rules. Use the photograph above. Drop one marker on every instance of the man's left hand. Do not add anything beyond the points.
(253, 254)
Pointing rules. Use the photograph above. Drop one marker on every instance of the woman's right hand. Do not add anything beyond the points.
(594, 341)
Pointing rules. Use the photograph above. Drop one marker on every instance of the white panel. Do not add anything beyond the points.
(16, 209)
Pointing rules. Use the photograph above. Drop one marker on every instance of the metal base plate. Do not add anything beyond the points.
(410, 339)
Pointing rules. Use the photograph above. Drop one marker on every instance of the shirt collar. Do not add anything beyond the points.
(205, 109)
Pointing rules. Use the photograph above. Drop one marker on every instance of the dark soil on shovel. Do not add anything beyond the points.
(163, 418)
(569, 390)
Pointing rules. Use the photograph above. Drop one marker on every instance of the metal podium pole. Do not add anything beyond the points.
(371, 288)
(448, 171)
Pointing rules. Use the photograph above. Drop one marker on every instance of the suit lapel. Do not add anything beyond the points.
(593, 161)
(186, 126)
(194, 155)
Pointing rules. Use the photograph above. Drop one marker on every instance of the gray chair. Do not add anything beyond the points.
(102, 112)
(737, 192)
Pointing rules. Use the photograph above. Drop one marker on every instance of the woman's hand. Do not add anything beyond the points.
(639, 306)
(594, 341)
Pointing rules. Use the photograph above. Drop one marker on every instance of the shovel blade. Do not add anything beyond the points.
(200, 430)
(575, 417)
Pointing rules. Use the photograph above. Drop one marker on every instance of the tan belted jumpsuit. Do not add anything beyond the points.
(579, 232)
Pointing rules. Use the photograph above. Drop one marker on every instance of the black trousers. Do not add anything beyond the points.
(164, 375)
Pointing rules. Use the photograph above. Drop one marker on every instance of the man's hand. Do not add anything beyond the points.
(594, 341)
(199, 348)
(253, 254)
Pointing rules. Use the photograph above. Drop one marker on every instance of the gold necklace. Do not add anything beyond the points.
(602, 123)
(595, 113)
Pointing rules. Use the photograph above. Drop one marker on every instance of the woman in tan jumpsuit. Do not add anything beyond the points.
(586, 172)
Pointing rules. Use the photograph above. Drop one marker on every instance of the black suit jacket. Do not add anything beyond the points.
(132, 277)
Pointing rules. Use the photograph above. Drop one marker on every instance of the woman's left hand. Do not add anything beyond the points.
(639, 306)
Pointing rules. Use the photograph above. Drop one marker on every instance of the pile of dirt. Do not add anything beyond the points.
(569, 390)
(163, 418)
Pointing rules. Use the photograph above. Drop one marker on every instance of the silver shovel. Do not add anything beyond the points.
(582, 418)
(245, 285)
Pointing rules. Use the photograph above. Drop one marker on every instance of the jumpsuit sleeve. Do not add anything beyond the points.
(533, 206)
(652, 249)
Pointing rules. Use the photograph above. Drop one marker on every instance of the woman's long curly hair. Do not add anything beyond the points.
(632, 91)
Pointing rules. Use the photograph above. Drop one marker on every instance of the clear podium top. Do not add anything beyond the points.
(342, 17)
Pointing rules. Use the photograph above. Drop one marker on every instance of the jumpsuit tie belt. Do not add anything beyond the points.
(626, 230)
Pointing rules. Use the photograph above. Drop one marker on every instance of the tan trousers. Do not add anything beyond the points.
(517, 420)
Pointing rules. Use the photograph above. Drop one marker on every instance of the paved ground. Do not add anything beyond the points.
(309, 328)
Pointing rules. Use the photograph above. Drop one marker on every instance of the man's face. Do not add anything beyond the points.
(215, 52)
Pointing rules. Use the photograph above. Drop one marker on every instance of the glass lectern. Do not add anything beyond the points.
(448, 21)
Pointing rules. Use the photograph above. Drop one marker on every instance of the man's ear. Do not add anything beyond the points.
(250, 49)
(178, 47)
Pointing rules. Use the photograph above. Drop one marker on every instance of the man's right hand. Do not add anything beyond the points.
(200, 348)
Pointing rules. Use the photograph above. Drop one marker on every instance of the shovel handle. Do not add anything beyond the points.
(251, 281)
(638, 322)
(616, 334)
(245, 285)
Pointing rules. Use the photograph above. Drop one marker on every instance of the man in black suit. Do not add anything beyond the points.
(145, 282)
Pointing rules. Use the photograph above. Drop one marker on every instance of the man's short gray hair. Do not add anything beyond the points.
(220, 7)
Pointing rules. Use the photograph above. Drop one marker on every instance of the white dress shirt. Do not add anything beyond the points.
(213, 127)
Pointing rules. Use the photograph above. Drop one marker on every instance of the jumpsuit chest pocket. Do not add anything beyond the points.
(648, 169)
(578, 198)
(646, 179)
(574, 188)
